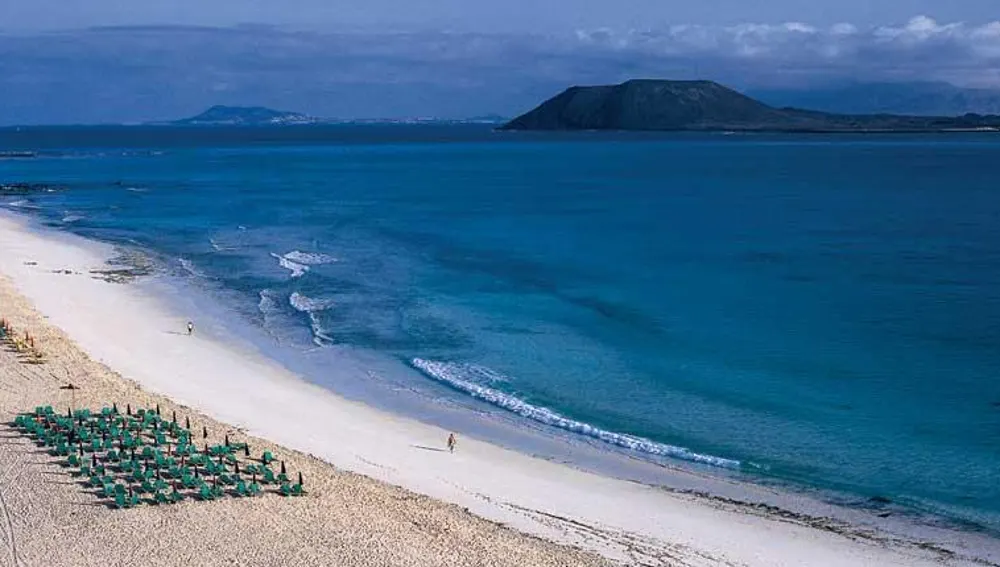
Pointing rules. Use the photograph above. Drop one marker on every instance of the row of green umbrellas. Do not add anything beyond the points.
(124, 456)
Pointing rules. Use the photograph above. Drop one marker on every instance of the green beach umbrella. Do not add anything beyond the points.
(72, 388)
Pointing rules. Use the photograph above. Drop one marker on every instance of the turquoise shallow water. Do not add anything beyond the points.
(821, 311)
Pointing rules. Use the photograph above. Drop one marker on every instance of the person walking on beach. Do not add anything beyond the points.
(451, 442)
(190, 327)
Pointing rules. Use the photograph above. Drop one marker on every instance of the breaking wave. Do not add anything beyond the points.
(457, 376)
(22, 204)
(297, 270)
(298, 262)
(311, 307)
(309, 258)
(307, 304)
(267, 304)
(190, 268)
(219, 247)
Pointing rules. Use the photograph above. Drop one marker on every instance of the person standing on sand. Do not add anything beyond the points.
(452, 442)
(190, 327)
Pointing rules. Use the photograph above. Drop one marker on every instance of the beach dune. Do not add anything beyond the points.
(376, 495)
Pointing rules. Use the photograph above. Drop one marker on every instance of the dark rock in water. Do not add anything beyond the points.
(708, 106)
(881, 500)
(26, 188)
(127, 265)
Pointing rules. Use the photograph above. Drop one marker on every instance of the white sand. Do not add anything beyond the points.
(128, 330)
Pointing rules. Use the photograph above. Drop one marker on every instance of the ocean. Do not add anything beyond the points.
(818, 312)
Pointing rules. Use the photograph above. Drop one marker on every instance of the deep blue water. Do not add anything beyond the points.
(823, 311)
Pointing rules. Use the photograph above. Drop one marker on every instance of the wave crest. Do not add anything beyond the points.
(309, 258)
(298, 262)
(308, 304)
(453, 375)
(190, 268)
(297, 270)
(311, 306)
(267, 304)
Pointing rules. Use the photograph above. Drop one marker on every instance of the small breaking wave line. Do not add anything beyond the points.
(449, 374)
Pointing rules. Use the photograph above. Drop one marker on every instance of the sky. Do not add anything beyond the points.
(481, 16)
(87, 61)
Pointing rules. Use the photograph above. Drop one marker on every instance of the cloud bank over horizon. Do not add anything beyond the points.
(125, 74)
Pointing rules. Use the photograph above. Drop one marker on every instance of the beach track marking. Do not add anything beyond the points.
(640, 550)
(7, 532)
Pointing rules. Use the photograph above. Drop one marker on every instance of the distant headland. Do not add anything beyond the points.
(245, 116)
(220, 115)
(706, 106)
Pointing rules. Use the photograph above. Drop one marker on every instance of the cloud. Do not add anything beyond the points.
(144, 73)
(921, 48)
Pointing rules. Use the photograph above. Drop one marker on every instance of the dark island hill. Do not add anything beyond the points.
(708, 106)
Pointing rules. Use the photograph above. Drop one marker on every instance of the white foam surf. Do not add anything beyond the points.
(190, 268)
(267, 304)
(298, 262)
(297, 270)
(311, 306)
(309, 258)
(308, 304)
(455, 376)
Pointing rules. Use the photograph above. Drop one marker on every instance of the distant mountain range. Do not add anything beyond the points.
(260, 116)
(915, 98)
(709, 106)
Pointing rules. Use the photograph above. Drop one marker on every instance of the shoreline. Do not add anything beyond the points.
(622, 520)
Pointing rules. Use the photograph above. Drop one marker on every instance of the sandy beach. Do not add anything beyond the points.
(381, 489)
